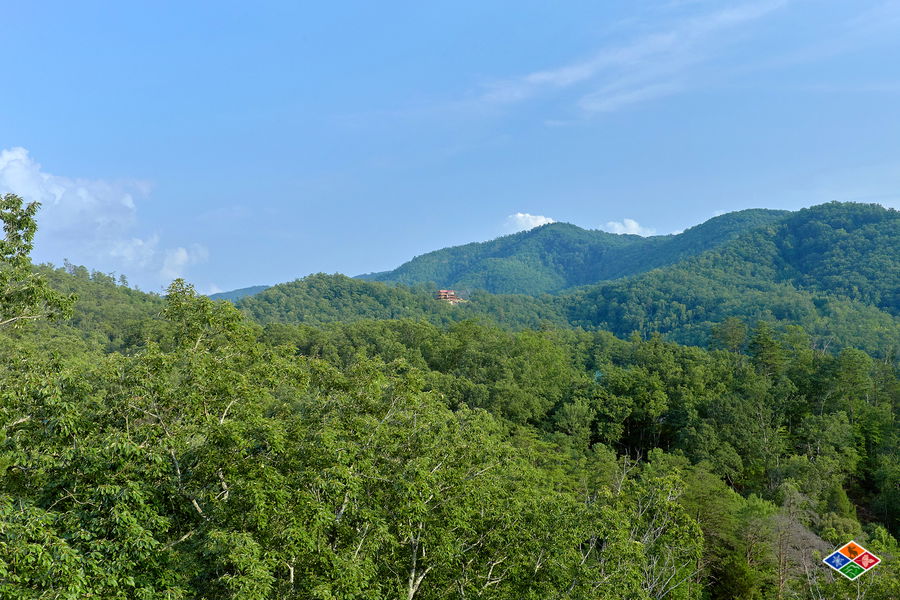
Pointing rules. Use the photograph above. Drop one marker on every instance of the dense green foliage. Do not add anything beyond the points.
(108, 316)
(557, 256)
(833, 269)
(24, 296)
(172, 448)
(794, 271)
(397, 458)
(319, 299)
(852, 251)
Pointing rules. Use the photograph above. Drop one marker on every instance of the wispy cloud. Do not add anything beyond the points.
(524, 221)
(94, 221)
(884, 87)
(613, 98)
(629, 226)
(649, 66)
(872, 24)
(882, 16)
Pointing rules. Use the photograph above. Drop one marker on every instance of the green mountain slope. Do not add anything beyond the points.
(831, 268)
(851, 250)
(239, 293)
(170, 448)
(319, 299)
(557, 256)
(108, 315)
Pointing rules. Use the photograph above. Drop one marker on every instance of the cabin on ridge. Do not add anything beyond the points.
(448, 296)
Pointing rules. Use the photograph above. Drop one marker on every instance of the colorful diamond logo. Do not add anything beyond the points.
(851, 560)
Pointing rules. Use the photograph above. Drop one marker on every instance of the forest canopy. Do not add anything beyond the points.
(833, 269)
(173, 447)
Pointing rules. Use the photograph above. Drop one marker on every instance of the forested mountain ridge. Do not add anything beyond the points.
(682, 306)
(553, 257)
(319, 299)
(848, 250)
(108, 316)
(239, 293)
(172, 448)
(832, 269)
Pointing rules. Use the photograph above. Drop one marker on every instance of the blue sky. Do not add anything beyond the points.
(238, 143)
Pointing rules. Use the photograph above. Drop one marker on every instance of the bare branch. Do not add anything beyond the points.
(224, 414)
(179, 540)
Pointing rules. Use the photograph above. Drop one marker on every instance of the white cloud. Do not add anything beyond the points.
(649, 66)
(178, 259)
(94, 209)
(612, 99)
(629, 226)
(137, 252)
(524, 221)
(93, 222)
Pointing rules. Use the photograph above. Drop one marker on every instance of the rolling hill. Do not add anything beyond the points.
(239, 293)
(320, 298)
(833, 269)
(554, 257)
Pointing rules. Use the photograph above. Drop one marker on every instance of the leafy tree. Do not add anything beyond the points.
(24, 295)
(173, 448)
(731, 334)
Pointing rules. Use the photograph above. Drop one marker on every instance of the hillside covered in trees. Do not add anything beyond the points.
(558, 256)
(240, 293)
(833, 269)
(172, 447)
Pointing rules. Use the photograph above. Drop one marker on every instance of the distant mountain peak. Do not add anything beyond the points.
(834, 269)
(234, 295)
(558, 256)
